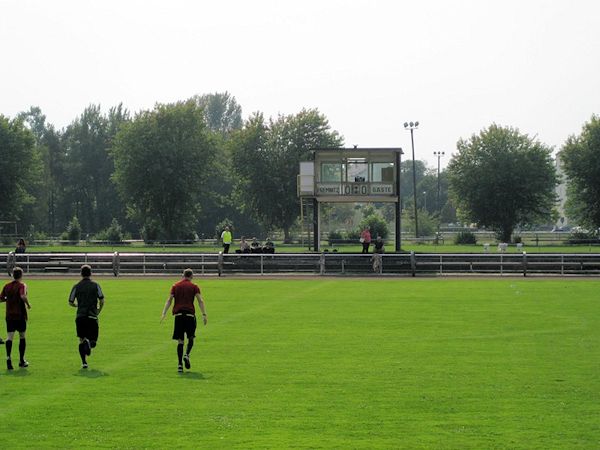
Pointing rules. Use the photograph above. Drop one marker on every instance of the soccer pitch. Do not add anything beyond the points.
(317, 363)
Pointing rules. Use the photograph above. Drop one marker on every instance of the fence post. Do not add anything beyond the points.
(524, 264)
(10, 262)
(261, 265)
(220, 263)
(413, 263)
(377, 260)
(116, 263)
(144, 264)
(322, 263)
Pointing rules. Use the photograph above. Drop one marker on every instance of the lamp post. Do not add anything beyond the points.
(425, 200)
(413, 126)
(439, 155)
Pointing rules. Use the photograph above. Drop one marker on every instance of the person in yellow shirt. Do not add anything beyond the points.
(226, 237)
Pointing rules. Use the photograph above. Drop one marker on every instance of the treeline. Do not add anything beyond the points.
(184, 170)
(177, 171)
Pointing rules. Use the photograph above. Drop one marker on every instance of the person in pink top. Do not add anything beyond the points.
(365, 239)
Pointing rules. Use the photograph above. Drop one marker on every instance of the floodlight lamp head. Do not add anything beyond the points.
(412, 124)
(405, 124)
(417, 123)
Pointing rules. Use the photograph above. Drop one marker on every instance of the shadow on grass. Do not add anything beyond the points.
(20, 372)
(192, 376)
(90, 373)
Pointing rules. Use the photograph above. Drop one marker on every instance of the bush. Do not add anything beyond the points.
(150, 231)
(428, 224)
(517, 240)
(376, 224)
(334, 235)
(465, 237)
(33, 235)
(353, 235)
(581, 236)
(112, 234)
(73, 231)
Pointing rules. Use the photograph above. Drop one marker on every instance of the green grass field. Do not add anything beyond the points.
(319, 363)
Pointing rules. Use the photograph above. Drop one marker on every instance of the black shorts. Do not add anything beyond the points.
(87, 328)
(184, 324)
(13, 325)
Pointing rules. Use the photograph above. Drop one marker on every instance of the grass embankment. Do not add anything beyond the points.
(281, 248)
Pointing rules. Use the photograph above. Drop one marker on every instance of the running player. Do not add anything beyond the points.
(184, 292)
(88, 298)
(17, 304)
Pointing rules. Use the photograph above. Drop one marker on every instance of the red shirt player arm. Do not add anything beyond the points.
(23, 294)
(201, 304)
(167, 304)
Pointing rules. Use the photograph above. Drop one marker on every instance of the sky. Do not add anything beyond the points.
(369, 66)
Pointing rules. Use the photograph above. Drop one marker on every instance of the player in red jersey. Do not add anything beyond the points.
(17, 304)
(183, 293)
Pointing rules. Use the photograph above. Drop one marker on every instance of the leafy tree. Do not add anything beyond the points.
(223, 116)
(46, 212)
(20, 169)
(266, 158)
(37, 214)
(501, 178)
(428, 184)
(112, 234)
(162, 161)
(376, 224)
(73, 231)
(448, 213)
(88, 190)
(428, 224)
(406, 180)
(581, 162)
(222, 112)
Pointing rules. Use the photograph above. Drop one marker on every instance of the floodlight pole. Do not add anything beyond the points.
(398, 203)
(412, 126)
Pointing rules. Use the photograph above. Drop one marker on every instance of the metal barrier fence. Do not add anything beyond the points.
(410, 264)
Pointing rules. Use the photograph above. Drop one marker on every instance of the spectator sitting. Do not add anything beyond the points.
(20, 246)
(379, 245)
(269, 246)
(255, 246)
(244, 246)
